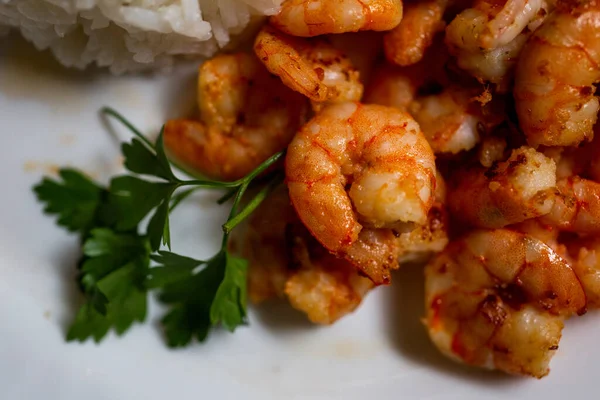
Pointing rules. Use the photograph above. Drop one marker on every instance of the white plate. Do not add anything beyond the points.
(48, 117)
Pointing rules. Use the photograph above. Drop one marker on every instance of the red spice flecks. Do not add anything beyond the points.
(436, 305)
(458, 346)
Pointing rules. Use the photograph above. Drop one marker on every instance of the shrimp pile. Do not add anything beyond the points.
(458, 134)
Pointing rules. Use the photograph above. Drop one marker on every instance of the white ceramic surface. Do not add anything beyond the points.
(48, 117)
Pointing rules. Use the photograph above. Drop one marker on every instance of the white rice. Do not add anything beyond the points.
(129, 35)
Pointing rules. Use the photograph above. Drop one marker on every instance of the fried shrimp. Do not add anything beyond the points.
(449, 120)
(312, 67)
(491, 150)
(398, 87)
(286, 262)
(497, 299)
(577, 206)
(406, 44)
(307, 18)
(586, 264)
(509, 192)
(488, 38)
(265, 247)
(423, 241)
(555, 77)
(323, 286)
(494, 66)
(246, 115)
(491, 23)
(393, 86)
(356, 168)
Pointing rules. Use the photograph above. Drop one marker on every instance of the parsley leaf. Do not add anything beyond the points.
(189, 293)
(200, 299)
(115, 274)
(113, 278)
(75, 200)
(145, 161)
(179, 267)
(229, 305)
(127, 304)
(132, 198)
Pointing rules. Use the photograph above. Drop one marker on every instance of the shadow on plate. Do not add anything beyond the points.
(404, 310)
(280, 317)
(64, 260)
(179, 99)
(29, 73)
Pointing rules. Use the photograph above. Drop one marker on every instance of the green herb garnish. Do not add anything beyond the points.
(115, 270)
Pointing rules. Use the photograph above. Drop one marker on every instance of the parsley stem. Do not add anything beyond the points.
(227, 196)
(115, 114)
(210, 184)
(179, 197)
(234, 220)
(266, 164)
(240, 182)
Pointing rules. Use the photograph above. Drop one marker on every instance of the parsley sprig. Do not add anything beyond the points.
(116, 271)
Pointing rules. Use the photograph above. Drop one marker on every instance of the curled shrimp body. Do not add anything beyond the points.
(246, 115)
(323, 286)
(394, 86)
(406, 44)
(535, 228)
(488, 38)
(555, 76)
(311, 67)
(491, 150)
(586, 264)
(494, 66)
(265, 246)
(497, 299)
(286, 262)
(356, 165)
(398, 87)
(577, 206)
(419, 244)
(512, 191)
(307, 18)
(491, 23)
(449, 120)
(363, 49)
(593, 168)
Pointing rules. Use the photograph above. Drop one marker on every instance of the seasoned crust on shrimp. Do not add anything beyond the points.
(407, 43)
(577, 206)
(497, 299)
(509, 192)
(488, 38)
(266, 248)
(585, 253)
(491, 24)
(450, 120)
(286, 262)
(555, 77)
(307, 18)
(418, 245)
(358, 167)
(323, 286)
(398, 87)
(246, 115)
(312, 67)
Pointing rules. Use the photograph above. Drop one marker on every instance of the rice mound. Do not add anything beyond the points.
(130, 35)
